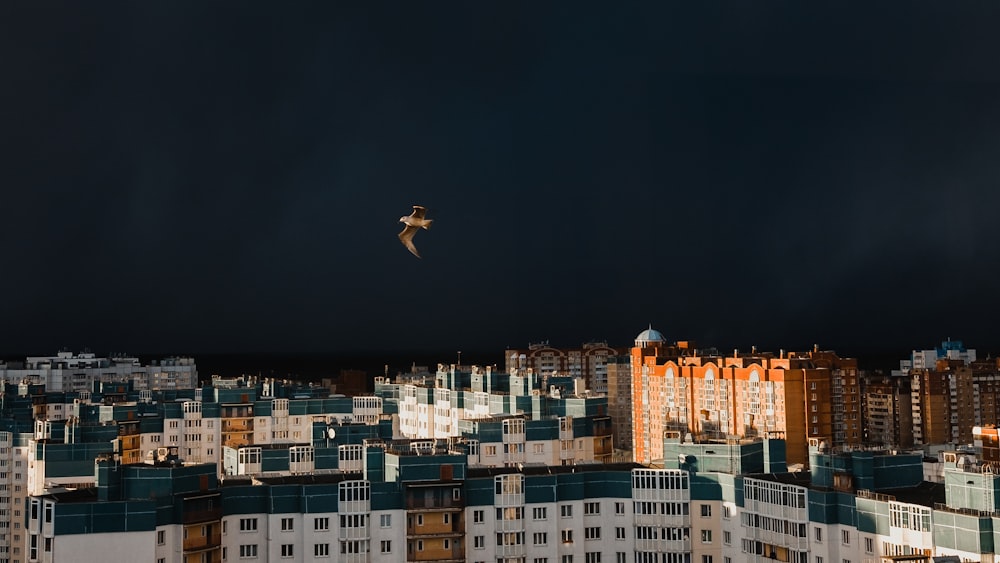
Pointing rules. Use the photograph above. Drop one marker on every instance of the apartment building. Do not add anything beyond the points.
(951, 392)
(707, 395)
(316, 477)
(589, 361)
(67, 371)
(505, 419)
(620, 400)
(713, 501)
(888, 411)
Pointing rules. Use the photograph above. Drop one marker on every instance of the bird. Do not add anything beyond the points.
(414, 222)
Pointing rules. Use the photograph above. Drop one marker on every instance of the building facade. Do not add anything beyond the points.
(589, 361)
(797, 395)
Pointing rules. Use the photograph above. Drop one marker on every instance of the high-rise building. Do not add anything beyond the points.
(707, 395)
(620, 400)
(951, 392)
(588, 361)
(888, 414)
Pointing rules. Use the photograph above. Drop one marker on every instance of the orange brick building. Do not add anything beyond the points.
(710, 396)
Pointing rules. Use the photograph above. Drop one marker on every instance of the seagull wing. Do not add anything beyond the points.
(418, 212)
(406, 237)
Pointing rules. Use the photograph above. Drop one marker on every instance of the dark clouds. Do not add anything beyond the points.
(228, 177)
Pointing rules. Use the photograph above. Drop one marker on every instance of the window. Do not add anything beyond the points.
(819, 534)
(592, 557)
(351, 547)
(845, 537)
(566, 559)
(287, 550)
(869, 546)
(161, 537)
(385, 521)
(619, 508)
(321, 550)
(592, 533)
(446, 518)
(248, 525)
(539, 512)
(727, 512)
(727, 538)
(541, 538)
(479, 542)
(620, 557)
(489, 450)
(619, 533)
(706, 559)
(591, 508)
(478, 516)
(566, 510)
(706, 510)
(321, 524)
(286, 524)
(706, 536)
(386, 546)
(248, 551)
(567, 536)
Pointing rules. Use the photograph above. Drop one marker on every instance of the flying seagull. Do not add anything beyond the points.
(414, 222)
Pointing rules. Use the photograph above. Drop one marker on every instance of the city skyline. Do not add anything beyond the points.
(198, 180)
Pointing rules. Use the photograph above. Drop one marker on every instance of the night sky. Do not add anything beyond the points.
(228, 177)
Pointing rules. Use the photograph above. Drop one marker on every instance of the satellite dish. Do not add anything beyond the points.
(331, 433)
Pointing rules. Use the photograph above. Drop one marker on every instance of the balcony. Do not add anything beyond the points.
(195, 544)
(663, 520)
(237, 425)
(355, 533)
(429, 500)
(453, 529)
(603, 446)
(436, 552)
(511, 551)
(202, 508)
(512, 525)
(663, 546)
(354, 557)
(207, 515)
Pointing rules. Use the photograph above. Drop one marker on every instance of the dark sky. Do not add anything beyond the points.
(228, 177)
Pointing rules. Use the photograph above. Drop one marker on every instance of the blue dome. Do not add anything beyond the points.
(650, 335)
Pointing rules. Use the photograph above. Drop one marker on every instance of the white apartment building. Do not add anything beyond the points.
(67, 371)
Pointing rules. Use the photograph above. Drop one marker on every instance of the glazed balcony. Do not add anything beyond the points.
(194, 543)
